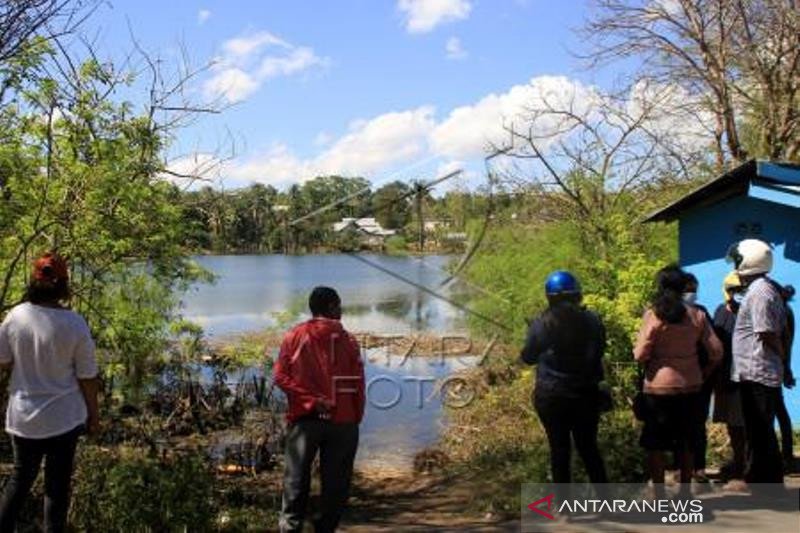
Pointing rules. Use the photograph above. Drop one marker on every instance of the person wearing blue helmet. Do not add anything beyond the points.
(567, 342)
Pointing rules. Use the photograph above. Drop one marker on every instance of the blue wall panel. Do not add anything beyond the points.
(706, 234)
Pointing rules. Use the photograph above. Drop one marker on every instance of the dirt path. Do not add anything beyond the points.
(397, 500)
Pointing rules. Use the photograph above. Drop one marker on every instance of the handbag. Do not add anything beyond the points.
(639, 405)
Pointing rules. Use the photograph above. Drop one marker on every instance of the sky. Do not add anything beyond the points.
(382, 89)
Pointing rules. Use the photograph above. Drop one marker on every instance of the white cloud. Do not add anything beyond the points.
(247, 61)
(374, 144)
(423, 16)
(233, 84)
(369, 146)
(203, 15)
(299, 59)
(379, 144)
(401, 142)
(454, 49)
(275, 166)
(469, 130)
(246, 45)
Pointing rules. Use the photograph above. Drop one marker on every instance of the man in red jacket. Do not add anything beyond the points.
(320, 370)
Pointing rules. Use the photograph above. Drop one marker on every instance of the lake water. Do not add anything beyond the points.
(404, 414)
(252, 291)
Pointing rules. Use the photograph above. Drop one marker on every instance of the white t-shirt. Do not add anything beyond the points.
(50, 349)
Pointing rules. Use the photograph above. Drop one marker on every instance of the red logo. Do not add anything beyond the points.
(535, 506)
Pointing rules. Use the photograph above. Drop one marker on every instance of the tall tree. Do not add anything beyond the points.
(391, 204)
(82, 172)
(21, 21)
(737, 59)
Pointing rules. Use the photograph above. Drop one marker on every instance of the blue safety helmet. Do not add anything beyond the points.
(561, 282)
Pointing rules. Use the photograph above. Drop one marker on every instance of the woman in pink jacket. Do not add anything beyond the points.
(667, 349)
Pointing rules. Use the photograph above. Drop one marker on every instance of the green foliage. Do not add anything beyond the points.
(347, 240)
(396, 244)
(80, 172)
(127, 490)
(262, 219)
(250, 349)
(515, 260)
(392, 205)
(619, 289)
(512, 266)
(249, 518)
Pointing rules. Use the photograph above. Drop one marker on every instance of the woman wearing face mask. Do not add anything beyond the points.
(667, 349)
(727, 405)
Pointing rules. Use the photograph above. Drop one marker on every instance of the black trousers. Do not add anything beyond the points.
(59, 454)
(700, 435)
(785, 423)
(566, 420)
(759, 405)
(336, 444)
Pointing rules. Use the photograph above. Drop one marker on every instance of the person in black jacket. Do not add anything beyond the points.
(567, 343)
(727, 403)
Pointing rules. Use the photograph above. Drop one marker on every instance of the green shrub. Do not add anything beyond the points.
(499, 440)
(249, 518)
(396, 244)
(128, 490)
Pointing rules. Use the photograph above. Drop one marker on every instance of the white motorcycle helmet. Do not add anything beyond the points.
(751, 257)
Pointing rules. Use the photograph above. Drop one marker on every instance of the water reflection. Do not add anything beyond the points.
(404, 409)
(252, 291)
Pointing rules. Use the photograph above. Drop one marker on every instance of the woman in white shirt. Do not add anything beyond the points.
(52, 391)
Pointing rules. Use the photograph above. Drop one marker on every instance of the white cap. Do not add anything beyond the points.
(756, 257)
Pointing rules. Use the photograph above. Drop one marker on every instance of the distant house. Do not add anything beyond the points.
(430, 226)
(456, 236)
(369, 231)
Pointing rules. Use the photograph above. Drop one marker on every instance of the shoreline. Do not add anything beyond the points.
(403, 253)
(421, 344)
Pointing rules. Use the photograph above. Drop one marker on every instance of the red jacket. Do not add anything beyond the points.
(318, 361)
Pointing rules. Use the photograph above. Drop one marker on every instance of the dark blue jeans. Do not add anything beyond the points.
(59, 454)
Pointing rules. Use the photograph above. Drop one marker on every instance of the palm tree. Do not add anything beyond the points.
(421, 190)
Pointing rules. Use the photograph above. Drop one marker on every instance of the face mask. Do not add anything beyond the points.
(737, 298)
(690, 297)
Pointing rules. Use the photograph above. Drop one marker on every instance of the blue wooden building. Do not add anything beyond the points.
(759, 199)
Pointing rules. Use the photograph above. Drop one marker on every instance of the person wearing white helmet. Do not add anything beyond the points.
(758, 354)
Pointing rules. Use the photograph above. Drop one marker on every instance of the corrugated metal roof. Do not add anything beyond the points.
(735, 182)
